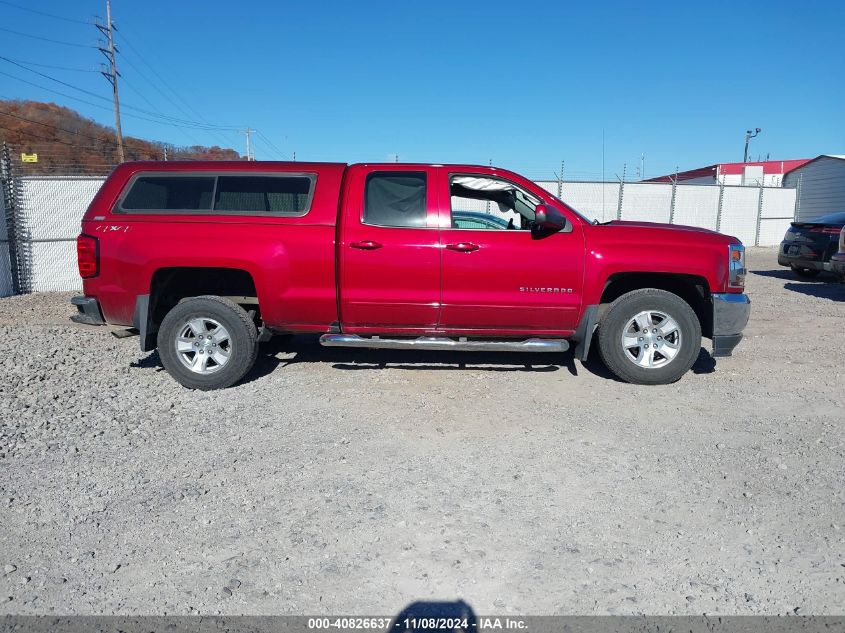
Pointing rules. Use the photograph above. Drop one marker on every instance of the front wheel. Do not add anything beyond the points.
(207, 342)
(649, 337)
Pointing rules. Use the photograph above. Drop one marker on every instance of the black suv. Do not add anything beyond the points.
(807, 246)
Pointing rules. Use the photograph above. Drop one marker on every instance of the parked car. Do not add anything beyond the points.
(808, 246)
(207, 259)
(477, 220)
(837, 260)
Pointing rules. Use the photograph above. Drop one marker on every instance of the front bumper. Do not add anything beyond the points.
(89, 311)
(730, 316)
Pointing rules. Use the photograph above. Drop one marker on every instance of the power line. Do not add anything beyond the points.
(54, 127)
(104, 139)
(44, 13)
(121, 35)
(173, 120)
(97, 105)
(278, 152)
(163, 94)
(58, 92)
(46, 39)
(189, 111)
(78, 70)
(45, 138)
(152, 105)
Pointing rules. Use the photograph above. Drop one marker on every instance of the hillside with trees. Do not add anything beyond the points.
(68, 143)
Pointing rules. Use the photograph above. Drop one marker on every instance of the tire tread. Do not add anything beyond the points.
(227, 377)
(622, 367)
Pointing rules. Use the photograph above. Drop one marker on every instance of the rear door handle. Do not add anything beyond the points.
(366, 245)
(463, 247)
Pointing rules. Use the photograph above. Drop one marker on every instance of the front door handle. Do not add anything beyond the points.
(463, 247)
(366, 245)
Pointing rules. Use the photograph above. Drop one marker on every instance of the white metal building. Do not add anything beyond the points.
(820, 186)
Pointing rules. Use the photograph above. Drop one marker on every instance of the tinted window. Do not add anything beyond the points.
(831, 218)
(159, 193)
(264, 194)
(395, 199)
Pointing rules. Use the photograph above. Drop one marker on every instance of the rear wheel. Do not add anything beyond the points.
(649, 337)
(806, 273)
(207, 342)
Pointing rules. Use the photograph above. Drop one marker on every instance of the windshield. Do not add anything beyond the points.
(830, 218)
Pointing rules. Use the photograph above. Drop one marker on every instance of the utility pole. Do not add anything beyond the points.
(112, 75)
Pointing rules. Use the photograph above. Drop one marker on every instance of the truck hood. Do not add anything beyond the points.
(633, 224)
(656, 225)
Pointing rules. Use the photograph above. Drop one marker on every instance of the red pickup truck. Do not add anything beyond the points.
(207, 259)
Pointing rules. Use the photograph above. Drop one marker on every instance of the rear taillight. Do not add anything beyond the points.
(88, 256)
(828, 230)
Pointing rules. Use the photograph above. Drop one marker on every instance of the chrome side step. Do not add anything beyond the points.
(442, 343)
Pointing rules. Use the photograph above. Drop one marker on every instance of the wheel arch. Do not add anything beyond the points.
(170, 285)
(693, 289)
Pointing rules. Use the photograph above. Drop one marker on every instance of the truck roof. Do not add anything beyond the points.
(259, 165)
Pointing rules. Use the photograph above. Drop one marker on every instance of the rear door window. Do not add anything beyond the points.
(396, 199)
(170, 193)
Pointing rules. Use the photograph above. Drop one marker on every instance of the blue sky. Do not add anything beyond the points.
(524, 84)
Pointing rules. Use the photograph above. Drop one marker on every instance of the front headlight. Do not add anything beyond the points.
(736, 266)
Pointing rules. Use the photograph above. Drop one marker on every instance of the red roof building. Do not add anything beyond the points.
(769, 173)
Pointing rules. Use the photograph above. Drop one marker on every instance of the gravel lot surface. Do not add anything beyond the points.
(352, 481)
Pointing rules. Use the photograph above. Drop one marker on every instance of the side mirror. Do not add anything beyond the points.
(549, 217)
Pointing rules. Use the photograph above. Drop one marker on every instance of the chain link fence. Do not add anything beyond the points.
(759, 216)
(42, 214)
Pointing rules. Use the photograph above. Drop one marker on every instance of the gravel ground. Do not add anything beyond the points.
(352, 481)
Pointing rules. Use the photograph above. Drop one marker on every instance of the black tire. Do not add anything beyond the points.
(805, 273)
(621, 361)
(242, 342)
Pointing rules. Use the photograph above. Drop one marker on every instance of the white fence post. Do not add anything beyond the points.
(719, 209)
(672, 201)
(621, 193)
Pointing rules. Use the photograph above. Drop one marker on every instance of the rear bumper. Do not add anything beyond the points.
(89, 311)
(837, 264)
(814, 258)
(730, 316)
(799, 262)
